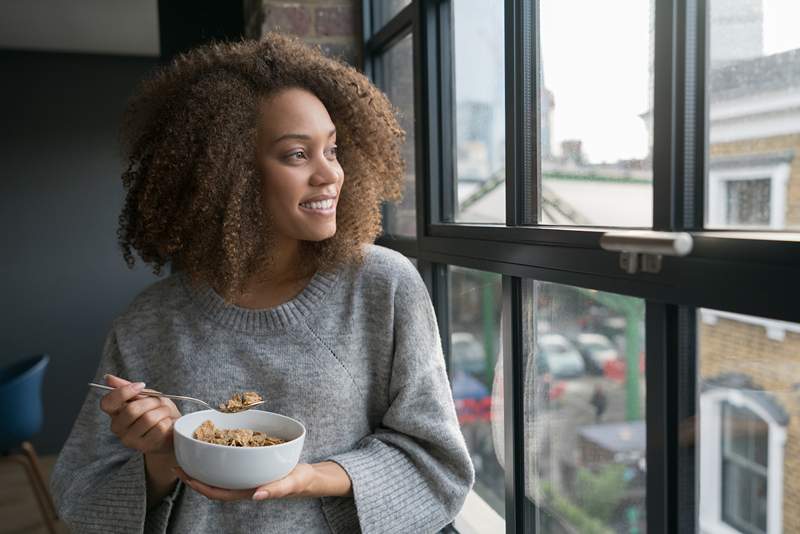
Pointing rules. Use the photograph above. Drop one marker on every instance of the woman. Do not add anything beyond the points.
(258, 170)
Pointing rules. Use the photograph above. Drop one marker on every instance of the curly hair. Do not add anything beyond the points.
(193, 188)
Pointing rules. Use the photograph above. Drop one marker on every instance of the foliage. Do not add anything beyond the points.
(600, 493)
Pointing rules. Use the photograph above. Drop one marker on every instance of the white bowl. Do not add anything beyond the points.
(230, 467)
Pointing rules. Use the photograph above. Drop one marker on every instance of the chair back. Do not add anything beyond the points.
(21, 400)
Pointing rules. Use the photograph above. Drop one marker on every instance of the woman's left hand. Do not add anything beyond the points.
(305, 480)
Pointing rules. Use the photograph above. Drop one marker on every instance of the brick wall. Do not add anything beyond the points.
(335, 25)
(766, 146)
(734, 347)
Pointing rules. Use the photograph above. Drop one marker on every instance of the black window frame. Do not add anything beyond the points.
(743, 272)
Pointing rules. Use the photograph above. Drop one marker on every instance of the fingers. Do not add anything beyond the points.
(212, 492)
(131, 412)
(113, 402)
(115, 381)
(143, 424)
(159, 437)
(147, 421)
(176, 413)
(293, 484)
(280, 488)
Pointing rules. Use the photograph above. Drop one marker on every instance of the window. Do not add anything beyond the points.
(585, 424)
(383, 12)
(744, 196)
(744, 469)
(479, 87)
(475, 298)
(595, 144)
(607, 205)
(397, 80)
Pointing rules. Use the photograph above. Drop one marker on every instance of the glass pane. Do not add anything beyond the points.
(475, 304)
(384, 10)
(585, 431)
(397, 80)
(754, 115)
(748, 371)
(596, 120)
(480, 111)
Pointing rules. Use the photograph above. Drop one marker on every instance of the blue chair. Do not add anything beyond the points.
(21, 418)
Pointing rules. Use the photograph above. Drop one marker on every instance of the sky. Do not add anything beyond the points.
(596, 57)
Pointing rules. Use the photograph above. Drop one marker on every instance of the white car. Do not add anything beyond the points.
(559, 356)
(596, 350)
(468, 354)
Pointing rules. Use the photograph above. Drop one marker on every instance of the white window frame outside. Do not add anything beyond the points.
(478, 517)
(778, 174)
(710, 460)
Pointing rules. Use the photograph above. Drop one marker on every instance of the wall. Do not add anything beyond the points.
(335, 25)
(730, 346)
(63, 277)
(771, 145)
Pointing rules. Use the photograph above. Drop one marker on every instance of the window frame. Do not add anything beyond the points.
(763, 266)
(711, 456)
(718, 179)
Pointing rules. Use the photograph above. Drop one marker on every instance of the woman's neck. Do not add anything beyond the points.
(283, 279)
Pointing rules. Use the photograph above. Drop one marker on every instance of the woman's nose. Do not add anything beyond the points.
(326, 172)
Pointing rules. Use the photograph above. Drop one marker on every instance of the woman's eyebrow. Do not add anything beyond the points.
(300, 136)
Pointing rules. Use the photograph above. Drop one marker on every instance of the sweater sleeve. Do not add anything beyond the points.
(414, 471)
(98, 484)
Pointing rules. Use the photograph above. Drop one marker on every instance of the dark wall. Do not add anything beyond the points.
(62, 275)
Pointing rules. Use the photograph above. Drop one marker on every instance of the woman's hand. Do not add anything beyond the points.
(306, 480)
(143, 424)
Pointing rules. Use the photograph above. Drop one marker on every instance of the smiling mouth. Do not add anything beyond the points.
(318, 205)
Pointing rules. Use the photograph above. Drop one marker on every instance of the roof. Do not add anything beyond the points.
(572, 200)
(617, 437)
(776, 72)
(744, 385)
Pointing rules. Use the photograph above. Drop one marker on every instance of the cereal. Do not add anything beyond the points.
(240, 401)
(238, 437)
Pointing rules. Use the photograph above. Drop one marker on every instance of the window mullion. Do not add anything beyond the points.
(513, 413)
(521, 174)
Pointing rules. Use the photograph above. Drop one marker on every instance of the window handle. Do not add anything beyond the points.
(643, 249)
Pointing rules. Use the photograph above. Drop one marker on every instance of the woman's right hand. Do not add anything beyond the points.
(143, 424)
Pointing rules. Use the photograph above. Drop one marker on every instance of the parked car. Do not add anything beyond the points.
(558, 356)
(468, 354)
(597, 350)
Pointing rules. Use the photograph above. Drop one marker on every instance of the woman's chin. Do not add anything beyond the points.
(320, 236)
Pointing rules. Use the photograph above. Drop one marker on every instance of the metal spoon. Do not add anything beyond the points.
(154, 393)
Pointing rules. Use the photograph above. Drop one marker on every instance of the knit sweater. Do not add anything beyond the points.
(356, 357)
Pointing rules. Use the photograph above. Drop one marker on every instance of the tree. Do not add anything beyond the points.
(600, 493)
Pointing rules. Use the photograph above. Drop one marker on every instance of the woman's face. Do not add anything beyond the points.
(297, 156)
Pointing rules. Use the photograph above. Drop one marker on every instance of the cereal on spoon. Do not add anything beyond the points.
(240, 401)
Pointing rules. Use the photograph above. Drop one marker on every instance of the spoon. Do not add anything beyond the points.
(154, 393)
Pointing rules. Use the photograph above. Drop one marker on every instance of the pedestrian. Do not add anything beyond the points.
(599, 402)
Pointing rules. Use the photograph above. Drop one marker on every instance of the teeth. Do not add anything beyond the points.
(319, 205)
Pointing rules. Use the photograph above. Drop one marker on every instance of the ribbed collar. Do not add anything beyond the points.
(255, 321)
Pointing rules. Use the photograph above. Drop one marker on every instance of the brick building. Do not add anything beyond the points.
(749, 409)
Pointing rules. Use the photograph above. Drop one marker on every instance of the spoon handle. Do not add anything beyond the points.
(154, 393)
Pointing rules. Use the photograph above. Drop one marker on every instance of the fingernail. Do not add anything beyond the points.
(105, 376)
(138, 386)
(260, 495)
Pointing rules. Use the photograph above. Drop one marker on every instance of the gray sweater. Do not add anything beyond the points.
(356, 356)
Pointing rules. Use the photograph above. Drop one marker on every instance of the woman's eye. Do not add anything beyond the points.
(293, 154)
(333, 151)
